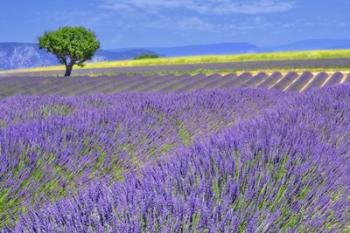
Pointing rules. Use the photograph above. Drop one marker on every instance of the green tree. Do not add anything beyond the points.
(71, 45)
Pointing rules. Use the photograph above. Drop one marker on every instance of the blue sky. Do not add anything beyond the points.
(159, 23)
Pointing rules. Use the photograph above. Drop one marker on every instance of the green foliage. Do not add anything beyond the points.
(166, 148)
(118, 172)
(3, 124)
(185, 136)
(57, 109)
(242, 227)
(195, 221)
(71, 45)
(3, 206)
(216, 189)
(147, 56)
(100, 160)
(304, 191)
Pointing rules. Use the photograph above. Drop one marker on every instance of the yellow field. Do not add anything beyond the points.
(300, 55)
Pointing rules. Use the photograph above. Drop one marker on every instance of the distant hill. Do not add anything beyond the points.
(25, 55)
(212, 49)
(312, 44)
(18, 55)
(119, 54)
(238, 48)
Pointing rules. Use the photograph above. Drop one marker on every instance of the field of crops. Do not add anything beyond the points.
(235, 153)
(290, 59)
(291, 81)
(112, 68)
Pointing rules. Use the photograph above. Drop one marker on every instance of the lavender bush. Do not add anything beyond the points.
(239, 161)
(52, 147)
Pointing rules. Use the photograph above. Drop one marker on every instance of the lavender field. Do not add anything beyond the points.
(171, 156)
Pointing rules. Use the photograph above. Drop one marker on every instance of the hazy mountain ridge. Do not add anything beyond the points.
(18, 55)
(217, 49)
(312, 44)
(25, 55)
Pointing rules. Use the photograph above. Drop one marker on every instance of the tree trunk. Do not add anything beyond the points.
(69, 69)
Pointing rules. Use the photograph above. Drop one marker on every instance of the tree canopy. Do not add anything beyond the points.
(71, 45)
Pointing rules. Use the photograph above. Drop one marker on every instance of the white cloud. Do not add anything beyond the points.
(194, 23)
(214, 7)
(197, 24)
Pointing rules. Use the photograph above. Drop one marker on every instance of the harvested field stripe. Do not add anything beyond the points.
(318, 81)
(12, 85)
(254, 81)
(207, 81)
(294, 81)
(198, 82)
(289, 78)
(139, 83)
(307, 84)
(84, 87)
(165, 85)
(143, 83)
(244, 78)
(259, 83)
(105, 82)
(236, 81)
(65, 85)
(193, 81)
(119, 81)
(278, 81)
(125, 84)
(302, 80)
(175, 84)
(228, 79)
(336, 79)
(160, 81)
(270, 80)
(346, 78)
(214, 80)
(326, 81)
